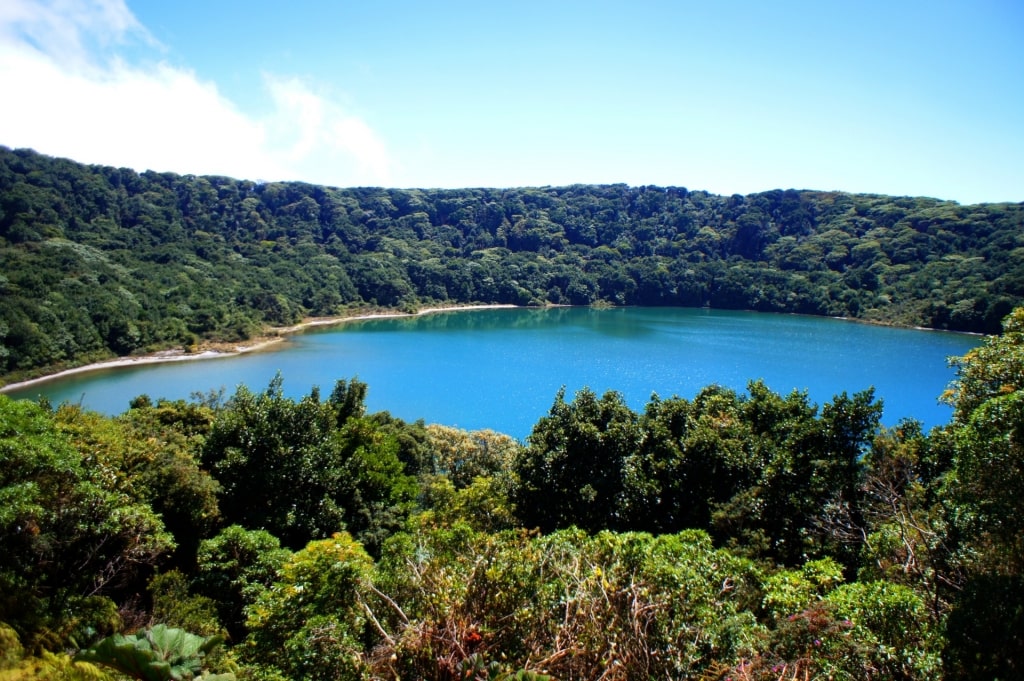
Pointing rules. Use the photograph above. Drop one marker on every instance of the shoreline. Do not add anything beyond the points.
(217, 350)
(279, 334)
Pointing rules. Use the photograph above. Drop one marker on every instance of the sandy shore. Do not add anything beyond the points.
(226, 350)
(330, 321)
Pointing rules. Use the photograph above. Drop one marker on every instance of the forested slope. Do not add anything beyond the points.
(96, 261)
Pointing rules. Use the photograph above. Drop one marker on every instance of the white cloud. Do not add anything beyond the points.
(65, 29)
(70, 94)
(317, 134)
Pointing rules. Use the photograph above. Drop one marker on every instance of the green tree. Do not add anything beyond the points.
(152, 455)
(904, 526)
(483, 504)
(985, 489)
(988, 445)
(234, 567)
(66, 538)
(311, 623)
(693, 457)
(277, 464)
(289, 468)
(463, 456)
(101, 261)
(571, 472)
(378, 494)
(175, 605)
(348, 399)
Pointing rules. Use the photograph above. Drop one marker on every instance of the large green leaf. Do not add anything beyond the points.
(158, 654)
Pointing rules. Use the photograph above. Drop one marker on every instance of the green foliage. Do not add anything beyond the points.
(175, 606)
(823, 628)
(484, 505)
(985, 631)
(276, 461)
(290, 468)
(564, 604)
(310, 623)
(571, 473)
(984, 491)
(757, 471)
(234, 567)
(751, 536)
(988, 445)
(463, 456)
(788, 591)
(54, 667)
(904, 526)
(158, 654)
(379, 491)
(11, 650)
(102, 261)
(993, 369)
(348, 399)
(151, 454)
(467, 478)
(66, 536)
(891, 628)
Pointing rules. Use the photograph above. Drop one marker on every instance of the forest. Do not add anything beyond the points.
(750, 535)
(97, 262)
(740, 535)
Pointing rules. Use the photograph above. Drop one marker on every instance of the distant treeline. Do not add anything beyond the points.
(97, 261)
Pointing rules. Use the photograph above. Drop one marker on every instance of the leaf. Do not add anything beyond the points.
(159, 654)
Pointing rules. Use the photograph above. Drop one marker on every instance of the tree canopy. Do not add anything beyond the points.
(99, 261)
(746, 535)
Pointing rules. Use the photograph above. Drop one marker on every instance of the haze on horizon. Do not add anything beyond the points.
(913, 98)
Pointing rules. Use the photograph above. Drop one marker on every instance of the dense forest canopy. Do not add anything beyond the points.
(98, 261)
(740, 535)
(750, 536)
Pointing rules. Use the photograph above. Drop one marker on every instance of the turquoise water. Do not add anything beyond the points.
(501, 369)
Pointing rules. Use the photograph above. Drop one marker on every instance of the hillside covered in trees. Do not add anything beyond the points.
(750, 536)
(100, 261)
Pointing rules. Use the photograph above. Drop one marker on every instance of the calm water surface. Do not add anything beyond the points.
(501, 369)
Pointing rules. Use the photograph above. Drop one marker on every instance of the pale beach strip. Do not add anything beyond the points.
(280, 333)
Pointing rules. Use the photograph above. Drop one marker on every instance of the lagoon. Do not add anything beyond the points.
(501, 369)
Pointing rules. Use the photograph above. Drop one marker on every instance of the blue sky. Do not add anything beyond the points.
(904, 98)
